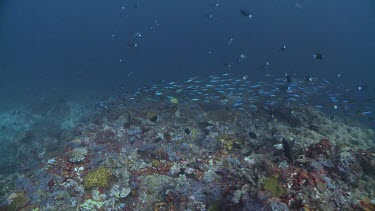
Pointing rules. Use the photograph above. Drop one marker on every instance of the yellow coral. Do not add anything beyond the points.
(149, 114)
(174, 100)
(97, 178)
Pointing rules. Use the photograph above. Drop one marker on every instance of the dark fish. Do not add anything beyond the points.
(208, 15)
(362, 87)
(283, 48)
(227, 65)
(154, 118)
(187, 131)
(230, 41)
(237, 145)
(252, 135)
(287, 150)
(133, 45)
(308, 79)
(318, 56)
(214, 4)
(288, 78)
(246, 13)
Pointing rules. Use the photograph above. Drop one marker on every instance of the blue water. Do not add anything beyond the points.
(82, 47)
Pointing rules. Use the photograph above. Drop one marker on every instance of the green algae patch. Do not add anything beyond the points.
(99, 177)
(272, 185)
(216, 206)
(20, 201)
(156, 163)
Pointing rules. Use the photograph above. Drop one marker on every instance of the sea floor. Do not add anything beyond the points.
(151, 155)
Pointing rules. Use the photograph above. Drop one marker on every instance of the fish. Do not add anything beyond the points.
(133, 45)
(366, 113)
(362, 87)
(243, 56)
(209, 15)
(318, 56)
(238, 92)
(214, 4)
(308, 79)
(288, 78)
(246, 13)
(227, 65)
(230, 41)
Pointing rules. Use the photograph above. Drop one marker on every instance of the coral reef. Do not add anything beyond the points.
(184, 156)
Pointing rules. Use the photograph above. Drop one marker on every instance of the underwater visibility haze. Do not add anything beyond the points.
(187, 105)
